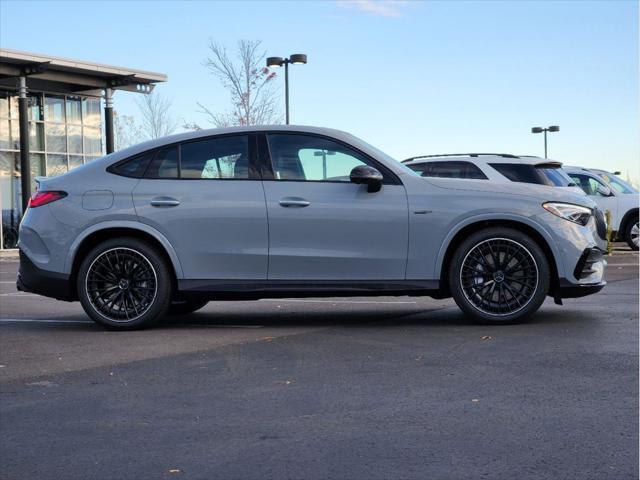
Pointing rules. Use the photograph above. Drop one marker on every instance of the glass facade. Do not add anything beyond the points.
(65, 131)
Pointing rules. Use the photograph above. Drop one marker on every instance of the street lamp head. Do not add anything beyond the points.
(537, 130)
(298, 58)
(554, 128)
(275, 61)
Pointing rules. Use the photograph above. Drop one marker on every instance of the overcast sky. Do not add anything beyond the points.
(410, 77)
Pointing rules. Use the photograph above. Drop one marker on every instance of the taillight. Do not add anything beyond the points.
(42, 198)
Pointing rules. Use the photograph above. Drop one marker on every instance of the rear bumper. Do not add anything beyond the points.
(36, 280)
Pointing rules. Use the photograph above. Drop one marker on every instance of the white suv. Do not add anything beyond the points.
(611, 193)
(495, 167)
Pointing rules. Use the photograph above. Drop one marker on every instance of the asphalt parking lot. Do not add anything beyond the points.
(390, 387)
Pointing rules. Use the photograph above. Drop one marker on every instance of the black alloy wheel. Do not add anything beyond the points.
(499, 275)
(121, 284)
(124, 284)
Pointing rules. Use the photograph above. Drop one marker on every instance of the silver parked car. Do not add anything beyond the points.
(494, 167)
(284, 211)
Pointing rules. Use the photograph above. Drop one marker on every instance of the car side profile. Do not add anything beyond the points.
(494, 167)
(283, 211)
(611, 193)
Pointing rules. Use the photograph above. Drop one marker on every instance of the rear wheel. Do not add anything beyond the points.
(184, 307)
(631, 232)
(499, 275)
(124, 284)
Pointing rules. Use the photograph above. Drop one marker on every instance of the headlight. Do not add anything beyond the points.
(568, 211)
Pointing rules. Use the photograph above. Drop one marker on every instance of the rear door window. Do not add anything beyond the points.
(215, 158)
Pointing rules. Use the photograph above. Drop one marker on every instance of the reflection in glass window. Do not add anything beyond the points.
(8, 105)
(74, 110)
(36, 136)
(7, 160)
(91, 111)
(56, 137)
(165, 164)
(449, 169)
(618, 184)
(5, 134)
(306, 157)
(92, 141)
(74, 136)
(37, 167)
(4, 105)
(35, 107)
(226, 157)
(133, 167)
(56, 165)
(54, 108)
(75, 161)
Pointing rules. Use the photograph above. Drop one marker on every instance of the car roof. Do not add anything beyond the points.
(486, 157)
(573, 169)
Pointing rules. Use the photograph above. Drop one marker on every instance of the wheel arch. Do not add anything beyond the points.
(104, 231)
(524, 225)
(628, 217)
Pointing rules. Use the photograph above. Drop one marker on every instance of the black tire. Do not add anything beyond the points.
(124, 284)
(631, 233)
(499, 276)
(185, 307)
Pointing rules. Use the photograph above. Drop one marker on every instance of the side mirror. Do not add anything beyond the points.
(364, 174)
(603, 190)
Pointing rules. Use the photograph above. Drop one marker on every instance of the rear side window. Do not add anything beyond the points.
(226, 157)
(453, 169)
(523, 173)
(133, 167)
(165, 164)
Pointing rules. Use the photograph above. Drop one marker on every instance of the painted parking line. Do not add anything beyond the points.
(89, 322)
(41, 320)
(20, 294)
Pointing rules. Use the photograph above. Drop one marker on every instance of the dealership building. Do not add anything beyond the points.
(55, 114)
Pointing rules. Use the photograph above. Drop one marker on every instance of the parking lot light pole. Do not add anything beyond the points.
(296, 59)
(552, 128)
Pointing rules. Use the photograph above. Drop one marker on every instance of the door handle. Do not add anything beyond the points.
(164, 202)
(295, 202)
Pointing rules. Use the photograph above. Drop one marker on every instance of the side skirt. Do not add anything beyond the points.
(257, 289)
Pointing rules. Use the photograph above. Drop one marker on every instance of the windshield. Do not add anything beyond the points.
(525, 173)
(618, 184)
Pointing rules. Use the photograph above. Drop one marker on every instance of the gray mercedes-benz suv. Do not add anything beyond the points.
(285, 211)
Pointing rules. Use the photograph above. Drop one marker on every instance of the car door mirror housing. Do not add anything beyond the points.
(364, 174)
(603, 190)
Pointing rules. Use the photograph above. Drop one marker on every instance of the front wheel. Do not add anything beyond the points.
(499, 275)
(631, 233)
(124, 284)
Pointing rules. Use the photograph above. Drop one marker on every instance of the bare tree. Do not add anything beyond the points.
(126, 132)
(249, 82)
(157, 120)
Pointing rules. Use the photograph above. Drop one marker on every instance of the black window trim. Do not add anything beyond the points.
(266, 165)
(254, 165)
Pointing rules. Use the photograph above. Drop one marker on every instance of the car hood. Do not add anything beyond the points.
(537, 192)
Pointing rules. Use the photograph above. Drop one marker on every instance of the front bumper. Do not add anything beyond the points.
(36, 280)
(589, 269)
